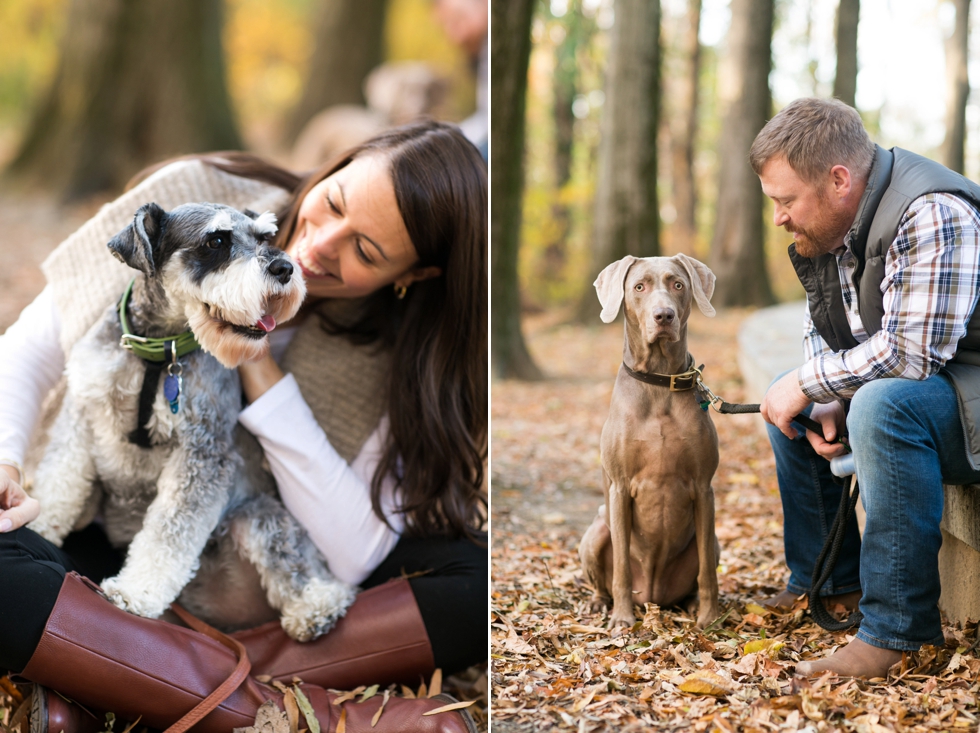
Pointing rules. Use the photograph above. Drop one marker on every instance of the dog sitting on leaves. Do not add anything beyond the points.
(185, 481)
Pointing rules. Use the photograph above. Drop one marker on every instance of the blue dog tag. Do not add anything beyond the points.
(171, 390)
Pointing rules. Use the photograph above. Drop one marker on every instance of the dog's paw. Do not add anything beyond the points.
(139, 602)
(618, 618)
(598, 604)
(315, 612)
(708, 616)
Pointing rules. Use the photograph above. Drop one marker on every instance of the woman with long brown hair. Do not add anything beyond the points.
(372, 414)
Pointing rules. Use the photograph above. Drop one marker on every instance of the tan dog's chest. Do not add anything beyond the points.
(661, 456)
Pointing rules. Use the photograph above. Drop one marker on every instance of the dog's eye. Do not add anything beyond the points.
(678, 285)
(638, 287)
(217, 241)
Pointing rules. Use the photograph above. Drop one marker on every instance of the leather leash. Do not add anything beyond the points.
(827, 559)
(226, 688)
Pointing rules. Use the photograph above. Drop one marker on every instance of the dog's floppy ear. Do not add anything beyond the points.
(702, 281)
(609, 287)
(134, 244)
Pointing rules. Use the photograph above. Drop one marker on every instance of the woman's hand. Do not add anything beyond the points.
(259, 376)
(16, 507)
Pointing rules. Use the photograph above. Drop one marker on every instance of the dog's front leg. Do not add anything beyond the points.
(293, 572)
(620, 526)
(164, 555)
(704, 528)
(66, 475)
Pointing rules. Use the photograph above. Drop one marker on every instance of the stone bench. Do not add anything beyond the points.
(769, 344)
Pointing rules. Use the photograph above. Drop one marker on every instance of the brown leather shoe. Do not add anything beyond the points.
(176, 679)
(784, 600)
(381, 639)
(51, 713)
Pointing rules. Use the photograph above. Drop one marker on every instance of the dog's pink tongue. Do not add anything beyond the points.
(266, 323)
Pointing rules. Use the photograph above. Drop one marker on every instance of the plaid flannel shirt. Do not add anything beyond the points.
(930, 290)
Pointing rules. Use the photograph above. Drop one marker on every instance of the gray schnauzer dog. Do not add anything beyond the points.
(186, 481)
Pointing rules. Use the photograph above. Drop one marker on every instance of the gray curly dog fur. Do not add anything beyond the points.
(197, 509)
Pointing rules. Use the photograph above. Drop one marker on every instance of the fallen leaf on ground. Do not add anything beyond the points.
(703, 682)
(268, 719)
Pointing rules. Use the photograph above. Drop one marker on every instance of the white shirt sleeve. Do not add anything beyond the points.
(31, 362)
(330, 498)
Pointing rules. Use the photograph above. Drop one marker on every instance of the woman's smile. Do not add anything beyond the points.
(311, 268)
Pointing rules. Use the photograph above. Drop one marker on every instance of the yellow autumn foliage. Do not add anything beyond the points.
(769, 646)
(704, 682)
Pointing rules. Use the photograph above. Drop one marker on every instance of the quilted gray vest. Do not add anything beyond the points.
(897, 178)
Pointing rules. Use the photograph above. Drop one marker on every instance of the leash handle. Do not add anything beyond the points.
(729, 408)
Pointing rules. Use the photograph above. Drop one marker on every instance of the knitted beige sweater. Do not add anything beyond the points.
(342, 383)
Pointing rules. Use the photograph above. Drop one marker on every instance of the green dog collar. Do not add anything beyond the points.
(151, 349)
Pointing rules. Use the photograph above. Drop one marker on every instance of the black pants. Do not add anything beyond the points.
(451, 591)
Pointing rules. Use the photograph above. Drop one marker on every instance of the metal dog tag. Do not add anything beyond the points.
(171, 390)
(173, 383)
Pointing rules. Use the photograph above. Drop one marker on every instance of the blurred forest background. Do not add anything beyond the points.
(93, 90)
(623, 127)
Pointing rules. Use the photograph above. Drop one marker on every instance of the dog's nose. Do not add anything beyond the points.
(281, 270)
(663, 316)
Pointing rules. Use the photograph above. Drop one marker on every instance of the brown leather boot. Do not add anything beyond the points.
(177, 679)
(381, 639)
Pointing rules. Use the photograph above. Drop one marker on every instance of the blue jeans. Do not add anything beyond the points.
(907, 441)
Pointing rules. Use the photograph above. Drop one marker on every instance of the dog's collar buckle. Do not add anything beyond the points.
(124, 340)
(151, 349)
(683, 382)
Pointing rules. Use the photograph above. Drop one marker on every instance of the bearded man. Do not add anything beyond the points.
(887, 247)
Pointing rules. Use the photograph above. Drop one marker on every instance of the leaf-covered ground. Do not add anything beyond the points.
(554, 664)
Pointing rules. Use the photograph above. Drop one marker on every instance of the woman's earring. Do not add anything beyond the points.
(400, 291)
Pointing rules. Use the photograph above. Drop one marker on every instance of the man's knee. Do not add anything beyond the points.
(882, 405)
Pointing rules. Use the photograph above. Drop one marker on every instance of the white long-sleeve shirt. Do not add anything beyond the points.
(330, 498)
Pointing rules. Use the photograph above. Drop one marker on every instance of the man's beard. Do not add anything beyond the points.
(825, 236)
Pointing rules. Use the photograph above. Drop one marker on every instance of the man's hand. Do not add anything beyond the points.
(783, 401)
(16, 507)
(831, 417)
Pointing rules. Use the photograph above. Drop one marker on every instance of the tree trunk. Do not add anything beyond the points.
(683, 132)
(509, 54)
(845, 81)
(627, 215)
(137, 82)
(348, 45)
(738, 248)
(957, 88)
(564, 88)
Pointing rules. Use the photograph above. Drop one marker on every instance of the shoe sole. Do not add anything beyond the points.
(39, 710)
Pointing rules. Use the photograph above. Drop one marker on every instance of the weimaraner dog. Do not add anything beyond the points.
(654, 539)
